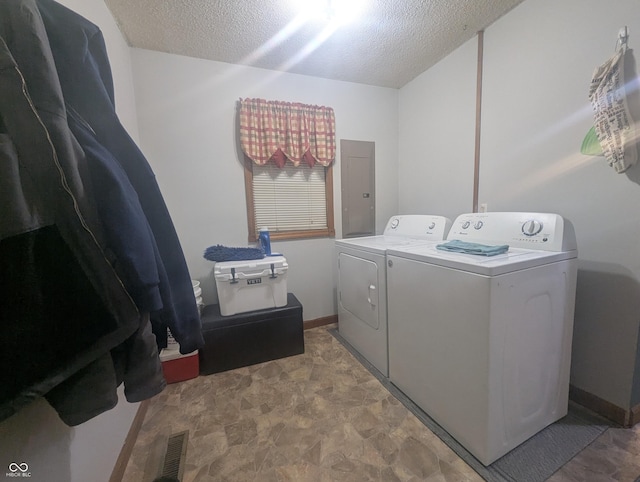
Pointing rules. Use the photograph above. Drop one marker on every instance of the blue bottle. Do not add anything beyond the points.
(265, 240)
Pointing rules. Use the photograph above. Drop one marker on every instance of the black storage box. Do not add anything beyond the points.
(248, 338)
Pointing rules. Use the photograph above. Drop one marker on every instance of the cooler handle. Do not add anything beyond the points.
(234, 277)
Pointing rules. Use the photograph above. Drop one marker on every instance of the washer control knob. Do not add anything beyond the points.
(432, 225)
(478, 225)
(466, 224)
(390, 263)
(394, 223)
(531, 227)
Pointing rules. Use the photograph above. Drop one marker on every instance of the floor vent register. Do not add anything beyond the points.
(173, 463)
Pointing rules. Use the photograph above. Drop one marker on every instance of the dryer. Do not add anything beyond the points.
(362, 281)
(483, 344)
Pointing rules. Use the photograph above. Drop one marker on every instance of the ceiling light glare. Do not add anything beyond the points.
(339, 12)
(311, 9)
(345, 11)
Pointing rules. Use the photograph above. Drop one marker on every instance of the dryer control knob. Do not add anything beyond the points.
(394, 223)
(531, 227)
(390, 263)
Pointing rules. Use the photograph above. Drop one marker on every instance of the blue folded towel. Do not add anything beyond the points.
(457, 246)
(224, 253)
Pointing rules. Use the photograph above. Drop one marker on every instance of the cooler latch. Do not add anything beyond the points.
(273, 271)
(234, 280)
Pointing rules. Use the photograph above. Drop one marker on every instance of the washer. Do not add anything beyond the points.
(362, 281)
(483, 344)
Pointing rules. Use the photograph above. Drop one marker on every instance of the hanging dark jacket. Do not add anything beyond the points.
(71, 330)
(85, 77)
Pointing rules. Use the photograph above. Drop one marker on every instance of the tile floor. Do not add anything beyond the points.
(321, 416)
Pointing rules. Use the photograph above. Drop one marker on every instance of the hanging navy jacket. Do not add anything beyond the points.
(71, 331)
(85, 77)
(126, 230)
(76, 283)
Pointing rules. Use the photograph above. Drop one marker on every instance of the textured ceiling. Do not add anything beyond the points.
(389, 44)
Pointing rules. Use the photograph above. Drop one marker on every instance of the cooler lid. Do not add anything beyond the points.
(251, 266)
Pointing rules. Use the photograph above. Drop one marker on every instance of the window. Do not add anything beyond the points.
(289, 148)
(293, 202)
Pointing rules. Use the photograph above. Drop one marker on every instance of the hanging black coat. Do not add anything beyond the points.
(85, 77)
(74, 326)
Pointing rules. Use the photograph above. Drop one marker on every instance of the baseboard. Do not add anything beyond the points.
(129, 442)
(325, 320)
(635, 415)
(625, 418)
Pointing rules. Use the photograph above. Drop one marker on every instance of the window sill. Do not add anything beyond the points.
(291, 235)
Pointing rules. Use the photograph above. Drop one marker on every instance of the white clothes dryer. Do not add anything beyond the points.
(362, 281)
(483, 344)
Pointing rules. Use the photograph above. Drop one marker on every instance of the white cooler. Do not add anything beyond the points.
(253, 284)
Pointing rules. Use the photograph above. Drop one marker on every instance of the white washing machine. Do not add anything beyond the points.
(483, 344)
(362, 281)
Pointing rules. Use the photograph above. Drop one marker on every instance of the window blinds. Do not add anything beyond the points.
(291, 198)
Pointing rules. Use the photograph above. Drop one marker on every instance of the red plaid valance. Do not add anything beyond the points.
(285, 130)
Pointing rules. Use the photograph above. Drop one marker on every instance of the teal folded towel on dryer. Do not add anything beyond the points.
(457, 246)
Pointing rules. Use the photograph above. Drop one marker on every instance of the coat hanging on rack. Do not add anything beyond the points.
(88, 253)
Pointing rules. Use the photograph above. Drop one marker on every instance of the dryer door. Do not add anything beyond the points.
(359, 288)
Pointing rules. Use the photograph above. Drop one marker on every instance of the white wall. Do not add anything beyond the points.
(437, 137)
(188, 129)
(36, 435)
(58, 453)
(538, 62)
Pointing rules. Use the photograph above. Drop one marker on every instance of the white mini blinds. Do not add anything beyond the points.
(290, 198)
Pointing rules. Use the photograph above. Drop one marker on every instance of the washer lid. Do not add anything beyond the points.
(380, 244)
(535, 231)
(402, 230)
(513, 260)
